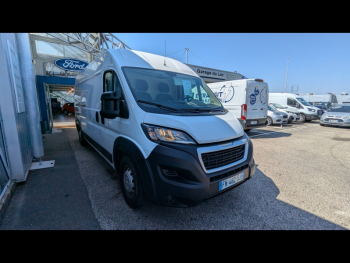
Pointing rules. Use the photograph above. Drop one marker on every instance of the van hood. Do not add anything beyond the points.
(204, 129)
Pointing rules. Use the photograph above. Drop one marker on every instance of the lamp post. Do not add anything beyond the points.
(286, 76)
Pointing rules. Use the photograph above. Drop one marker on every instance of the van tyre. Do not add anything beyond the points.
(321, 124)
(130, 182)
(65, 112)
(302, 118)
(81, 138)
(269, 121)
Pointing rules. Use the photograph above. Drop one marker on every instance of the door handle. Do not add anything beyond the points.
(97, 118)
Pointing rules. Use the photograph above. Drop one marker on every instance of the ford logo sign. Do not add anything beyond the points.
(70, 64)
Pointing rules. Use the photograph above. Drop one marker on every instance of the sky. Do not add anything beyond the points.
(319, 62)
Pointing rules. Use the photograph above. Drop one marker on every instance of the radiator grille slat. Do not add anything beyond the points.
(221, 158)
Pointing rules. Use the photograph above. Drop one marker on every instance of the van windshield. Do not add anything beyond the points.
(302, 101)
(158, 91)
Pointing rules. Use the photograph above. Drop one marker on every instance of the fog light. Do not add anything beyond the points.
(169, 172)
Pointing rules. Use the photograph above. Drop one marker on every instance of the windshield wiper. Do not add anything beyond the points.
(196, 110)
(158, 105)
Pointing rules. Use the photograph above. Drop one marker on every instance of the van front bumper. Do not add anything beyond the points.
(179, 179)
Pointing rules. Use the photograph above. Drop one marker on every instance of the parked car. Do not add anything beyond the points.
(276, 117)
(337, 115)
(322, 107)
(68, 108)
(293, 114)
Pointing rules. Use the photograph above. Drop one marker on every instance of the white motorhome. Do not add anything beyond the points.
(140, 112)
(307, 111)
(247, 99)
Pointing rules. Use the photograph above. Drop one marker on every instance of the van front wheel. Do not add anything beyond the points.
(269, 121)
(130, 183)
(302, 118)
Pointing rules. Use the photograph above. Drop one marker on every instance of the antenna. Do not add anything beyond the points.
(186, 55)
(164, 52)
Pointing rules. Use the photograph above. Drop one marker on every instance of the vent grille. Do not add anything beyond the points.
(221, 158)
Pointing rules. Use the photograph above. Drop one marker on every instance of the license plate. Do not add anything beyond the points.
(333, 120)
(230, 181)
(254, 122)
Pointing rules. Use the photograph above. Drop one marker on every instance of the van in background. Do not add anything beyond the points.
(247, 99)
(307, 111)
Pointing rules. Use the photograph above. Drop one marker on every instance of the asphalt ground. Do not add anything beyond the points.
(302, 182)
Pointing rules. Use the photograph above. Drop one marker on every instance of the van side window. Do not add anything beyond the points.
(292, 102)
(111, 83)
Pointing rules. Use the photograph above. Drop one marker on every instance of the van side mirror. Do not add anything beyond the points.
(113, 106)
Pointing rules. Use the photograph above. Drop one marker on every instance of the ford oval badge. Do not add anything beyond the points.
(70, 64)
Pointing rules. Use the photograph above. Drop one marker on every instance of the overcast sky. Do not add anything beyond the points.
(319, 62)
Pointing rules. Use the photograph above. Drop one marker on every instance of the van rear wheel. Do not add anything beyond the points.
(130, 182)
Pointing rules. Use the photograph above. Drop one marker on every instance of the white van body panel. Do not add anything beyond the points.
(233, 94)
(204, 129)
(282, 98)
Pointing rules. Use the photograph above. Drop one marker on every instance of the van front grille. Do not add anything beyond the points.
(221, 158)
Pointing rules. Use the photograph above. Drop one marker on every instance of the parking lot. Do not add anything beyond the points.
(302, 181)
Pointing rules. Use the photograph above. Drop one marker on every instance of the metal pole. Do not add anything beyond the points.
(297, 89)
(31, 99)
(286, 76)
(186, 55)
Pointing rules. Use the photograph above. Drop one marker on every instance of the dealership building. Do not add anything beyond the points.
(37, 72)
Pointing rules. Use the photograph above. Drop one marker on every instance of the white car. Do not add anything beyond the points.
(275, 116)
(293, 114)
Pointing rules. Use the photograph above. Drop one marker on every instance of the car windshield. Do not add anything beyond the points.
(302, 101)
(278, 106)
(270, 108)
(156, 90)
(339, 109)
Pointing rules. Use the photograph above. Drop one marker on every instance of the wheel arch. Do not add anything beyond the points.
(123, 146)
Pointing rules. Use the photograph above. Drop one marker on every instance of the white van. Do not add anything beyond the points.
(247, 99)
(140, 112)
(307, 111)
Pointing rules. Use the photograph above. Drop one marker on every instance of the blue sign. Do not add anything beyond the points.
(252, 99)
(70, 64)
(256, 92)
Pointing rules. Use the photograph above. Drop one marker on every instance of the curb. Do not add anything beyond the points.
(5, 200)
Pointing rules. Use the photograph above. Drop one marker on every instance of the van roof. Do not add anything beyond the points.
(134, 58)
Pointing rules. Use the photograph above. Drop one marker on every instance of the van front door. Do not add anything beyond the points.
(111, 128)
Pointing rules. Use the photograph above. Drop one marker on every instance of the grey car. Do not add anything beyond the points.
(337, 115)
(275, 116)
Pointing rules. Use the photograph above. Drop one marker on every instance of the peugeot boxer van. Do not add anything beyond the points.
(307, 111)
(247, 99)
(141, 112)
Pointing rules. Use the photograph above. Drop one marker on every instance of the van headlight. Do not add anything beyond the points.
(311, 109)
(157, 134)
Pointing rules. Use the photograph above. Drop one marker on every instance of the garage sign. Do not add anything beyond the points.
(71, 64)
